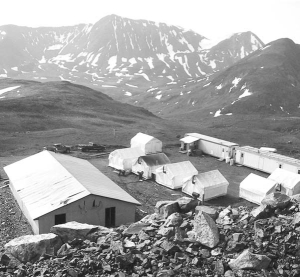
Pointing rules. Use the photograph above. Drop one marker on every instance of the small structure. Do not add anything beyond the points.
(123, 159)
(255, 188)
(288, 182)
(209, 185)
(148, 144)
(148, 164)
(173, 175)
(264, 160)
(208, 145)
(53, 188)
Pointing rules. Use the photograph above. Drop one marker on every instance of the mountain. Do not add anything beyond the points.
(34, 106)
(120, 56)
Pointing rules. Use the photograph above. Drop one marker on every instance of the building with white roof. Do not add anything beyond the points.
(148, 144)
(53, 188)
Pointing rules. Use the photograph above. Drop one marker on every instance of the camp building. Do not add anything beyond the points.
(208, 145)
(148, 144)
(53, 188)
(149, 163)
(264, 160)
(209, 185)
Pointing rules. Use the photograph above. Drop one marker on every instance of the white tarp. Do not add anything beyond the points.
(148, 144)
(289, 181)
(148, 164)
(123, 159)
(189, 139)
(173, 175)
(254, 188)
(209, 184)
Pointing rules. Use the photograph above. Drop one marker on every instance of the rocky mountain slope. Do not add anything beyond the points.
(173, 241)
(265, 82)
(120, 56)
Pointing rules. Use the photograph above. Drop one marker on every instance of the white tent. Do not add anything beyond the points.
(172, 175)
(254, 188)
(289, 181)
(148, 164)
(209, 185)
(147, 143)
(123, 159)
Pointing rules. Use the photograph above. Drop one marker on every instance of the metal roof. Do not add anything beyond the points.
(156, 159)
(189, 139)
(47, 181)
(212, 139)
(271, 155)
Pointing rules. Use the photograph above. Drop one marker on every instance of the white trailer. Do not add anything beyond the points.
(264, 160)
(208, 145)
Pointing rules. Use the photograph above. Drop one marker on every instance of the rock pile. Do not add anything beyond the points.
(212, 242)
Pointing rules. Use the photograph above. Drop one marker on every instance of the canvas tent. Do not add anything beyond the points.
(148, 164)
(146, 143)
(254, 188)
(209, 185)
(53, 188)
(289, 182)
(172, 175)
(123, 159)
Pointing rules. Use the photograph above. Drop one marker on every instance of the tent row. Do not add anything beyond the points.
(254, 188)
(157, 166)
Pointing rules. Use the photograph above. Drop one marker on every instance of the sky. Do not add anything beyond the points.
(214, 19)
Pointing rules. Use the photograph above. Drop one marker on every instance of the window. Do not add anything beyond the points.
(194, 179)
(242, 155)
(110, 217)
(60, 219)
(164, 170)
(298, 171)
(280, 165)
(139, 160)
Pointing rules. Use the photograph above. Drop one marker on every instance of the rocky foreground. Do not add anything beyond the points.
(210, 242)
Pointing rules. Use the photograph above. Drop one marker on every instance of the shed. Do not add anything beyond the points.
(148, 144)
(264, 160)
(173, 175)
(148, 164)
(255, 188)
(53, 188)
(208, 145)
(289, 181)
(124, 158)
(209, 185)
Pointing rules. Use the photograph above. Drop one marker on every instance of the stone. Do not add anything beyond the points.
(219, 268)
(248, 260)
(117, 247)
(225, 212)
(276, 200)
(296, 219)
(296, 198)
(129, 244)
(135, 228)
(166, 208)
(71, 230)
(30, 248)
(173, 220)
(229, 273)
(187, 204)
(259, 228)
(170, 247)
(65, 250)
(260, 212)
(213, 213)
(237, 236)
(205, 230)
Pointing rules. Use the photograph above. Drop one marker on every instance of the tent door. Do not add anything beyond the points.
(242, 158)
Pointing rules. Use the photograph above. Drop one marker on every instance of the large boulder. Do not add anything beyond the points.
(248, 260)
(166, 208)
(135, 228)
(205, 230)
(173, 220)
(31, 247)
(276, 200)
(71, 230)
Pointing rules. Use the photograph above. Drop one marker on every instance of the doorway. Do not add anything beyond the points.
(110, 217)
(60, 219)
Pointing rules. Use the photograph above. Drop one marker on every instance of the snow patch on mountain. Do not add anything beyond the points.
(246, 93)
(55, 47)
(8, 89)
(112, 62)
